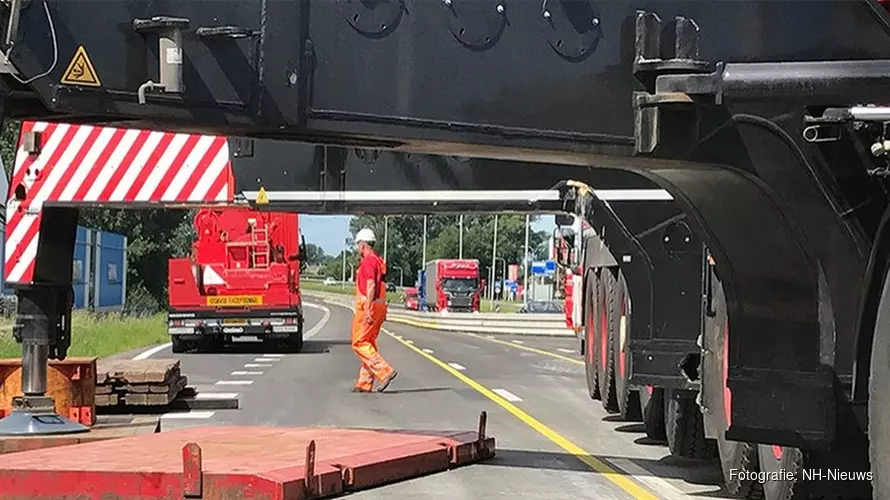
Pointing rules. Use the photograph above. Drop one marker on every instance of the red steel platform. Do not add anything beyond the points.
(232, 462)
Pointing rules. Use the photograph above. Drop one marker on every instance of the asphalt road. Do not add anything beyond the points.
(553, 441)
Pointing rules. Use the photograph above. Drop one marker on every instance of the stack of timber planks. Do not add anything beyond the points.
(147, 382)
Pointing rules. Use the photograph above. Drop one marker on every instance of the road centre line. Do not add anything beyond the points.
(622, 481)
(454, 365)
(509, 396)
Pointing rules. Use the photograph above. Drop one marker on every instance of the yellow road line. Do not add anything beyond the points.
(434, 326)
(620, 480)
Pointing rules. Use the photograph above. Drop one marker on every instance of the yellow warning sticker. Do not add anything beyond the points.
(80, 70)
(261, 197)
(235, 300)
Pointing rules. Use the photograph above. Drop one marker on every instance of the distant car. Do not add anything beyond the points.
(330, 281)
(542, 307)
(390, 287)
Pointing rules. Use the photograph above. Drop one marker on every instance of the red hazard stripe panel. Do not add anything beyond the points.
(109, 166)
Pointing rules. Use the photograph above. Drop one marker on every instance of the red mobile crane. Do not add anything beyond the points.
(242, 279)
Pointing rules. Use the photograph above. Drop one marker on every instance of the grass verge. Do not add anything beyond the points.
(99, 335)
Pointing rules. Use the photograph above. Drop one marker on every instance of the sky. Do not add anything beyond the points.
(330, 231)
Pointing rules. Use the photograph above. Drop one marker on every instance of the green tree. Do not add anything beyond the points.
(315, 254)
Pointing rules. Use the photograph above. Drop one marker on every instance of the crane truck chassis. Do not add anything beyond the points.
(769, 138)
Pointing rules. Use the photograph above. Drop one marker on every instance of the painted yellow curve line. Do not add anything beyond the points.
(619, 479)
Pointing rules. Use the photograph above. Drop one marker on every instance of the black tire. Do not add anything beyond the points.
(178, 346)
(685, 427)
(738, 460)
(589, 344)
(879, 400)
(653, 412)
(607, 313)
(781, 466)
(627, 400)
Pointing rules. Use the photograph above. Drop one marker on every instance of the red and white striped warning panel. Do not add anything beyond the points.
(89, 165)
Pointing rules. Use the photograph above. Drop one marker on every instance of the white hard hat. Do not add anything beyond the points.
(365, 235)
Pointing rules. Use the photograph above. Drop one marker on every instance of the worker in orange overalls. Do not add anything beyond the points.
(370, 312)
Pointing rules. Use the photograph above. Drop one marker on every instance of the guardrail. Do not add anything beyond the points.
(551, 325)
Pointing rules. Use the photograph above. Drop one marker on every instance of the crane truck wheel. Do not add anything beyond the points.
(685, 427)
(607, 311)
(652, 403)
(879, 400)
(589, 344)
(178, 346)
(619, 332)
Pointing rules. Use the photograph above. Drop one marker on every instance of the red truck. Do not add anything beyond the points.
(242, 279)
(412, 299)
(452, 285)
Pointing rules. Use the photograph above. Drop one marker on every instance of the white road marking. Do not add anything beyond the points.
(216, 395)
(509, 396)
(457, 366)
(665, 489)
(273, 355)
(265, 360)
(256, 365)
(188, 415)
(239, 372)
(151, 352)
(489, 336)
(234, 382)
(567, 351)
(318, 326)
(517, 342)
(409, 341)
(428, 351)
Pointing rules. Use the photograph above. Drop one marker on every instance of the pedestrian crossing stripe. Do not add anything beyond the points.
(80, 70)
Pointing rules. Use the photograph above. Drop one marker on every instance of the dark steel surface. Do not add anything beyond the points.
(420, 69)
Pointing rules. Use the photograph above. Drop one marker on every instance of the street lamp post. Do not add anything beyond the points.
(460, 240)
(401, 276)
(525, 263)
(385, 235)
(423, 258)
(343, 270)
(494, 254)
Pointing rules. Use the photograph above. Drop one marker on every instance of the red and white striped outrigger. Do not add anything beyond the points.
(84, 165)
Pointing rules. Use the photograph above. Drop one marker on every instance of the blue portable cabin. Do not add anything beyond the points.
(99, 271)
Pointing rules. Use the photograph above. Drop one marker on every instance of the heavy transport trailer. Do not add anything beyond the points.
(749, 113)
(641, 311)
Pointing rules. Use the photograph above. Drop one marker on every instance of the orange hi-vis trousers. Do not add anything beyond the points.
(364, 343)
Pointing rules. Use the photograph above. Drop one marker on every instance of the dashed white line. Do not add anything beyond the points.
(489, 336)
(273, 355)
(457, 366)
(239, 372)
(567, 351)
(428, 351)
(517, 341)
(509, 396)
(188, 415)
(409, 341)
(256, 365)
(234, 382)
(265, 360)
(216, 395)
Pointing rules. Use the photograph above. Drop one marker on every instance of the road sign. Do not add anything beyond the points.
(550, 266)
(539, 267)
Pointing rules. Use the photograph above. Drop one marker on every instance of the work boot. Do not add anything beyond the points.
(385, 383)
(359, 389)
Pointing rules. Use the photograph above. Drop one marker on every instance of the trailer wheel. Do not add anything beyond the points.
(619, 332)
(607, 313)
(652, 402)
(589, 344)
(685, 427)
(879, 399)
